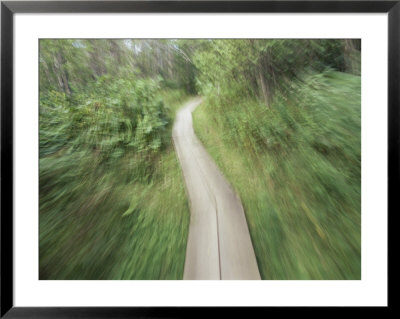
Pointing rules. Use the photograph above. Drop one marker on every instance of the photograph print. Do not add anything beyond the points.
(199, 159)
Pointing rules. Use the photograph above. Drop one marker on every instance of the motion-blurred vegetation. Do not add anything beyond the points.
(281, 118)
(112, 200)
(283, 121)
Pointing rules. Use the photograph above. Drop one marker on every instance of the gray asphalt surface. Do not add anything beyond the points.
(219, 244)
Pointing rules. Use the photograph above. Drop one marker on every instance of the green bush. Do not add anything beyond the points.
(111, 118)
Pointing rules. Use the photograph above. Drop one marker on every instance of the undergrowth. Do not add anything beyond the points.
(297, 167)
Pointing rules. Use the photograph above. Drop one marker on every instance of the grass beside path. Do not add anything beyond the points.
(297, 168)
(100, 222)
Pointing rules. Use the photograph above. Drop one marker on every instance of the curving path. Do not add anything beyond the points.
(219, 244)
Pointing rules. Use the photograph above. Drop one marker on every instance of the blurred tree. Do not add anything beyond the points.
(254, 67)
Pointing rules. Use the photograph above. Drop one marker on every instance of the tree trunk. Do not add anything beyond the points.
(350, 56)
(61, 74)
(65, 81)
(263, 86)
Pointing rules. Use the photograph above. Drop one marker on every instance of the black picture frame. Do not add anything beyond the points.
(9, 8)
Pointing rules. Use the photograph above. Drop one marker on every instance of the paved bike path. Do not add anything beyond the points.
(219, 244)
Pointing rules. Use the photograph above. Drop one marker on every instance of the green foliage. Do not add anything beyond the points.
(120, 216)
(297, 168)
(112, 118)
(250, 67)
(97, 223)
(112, 201)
